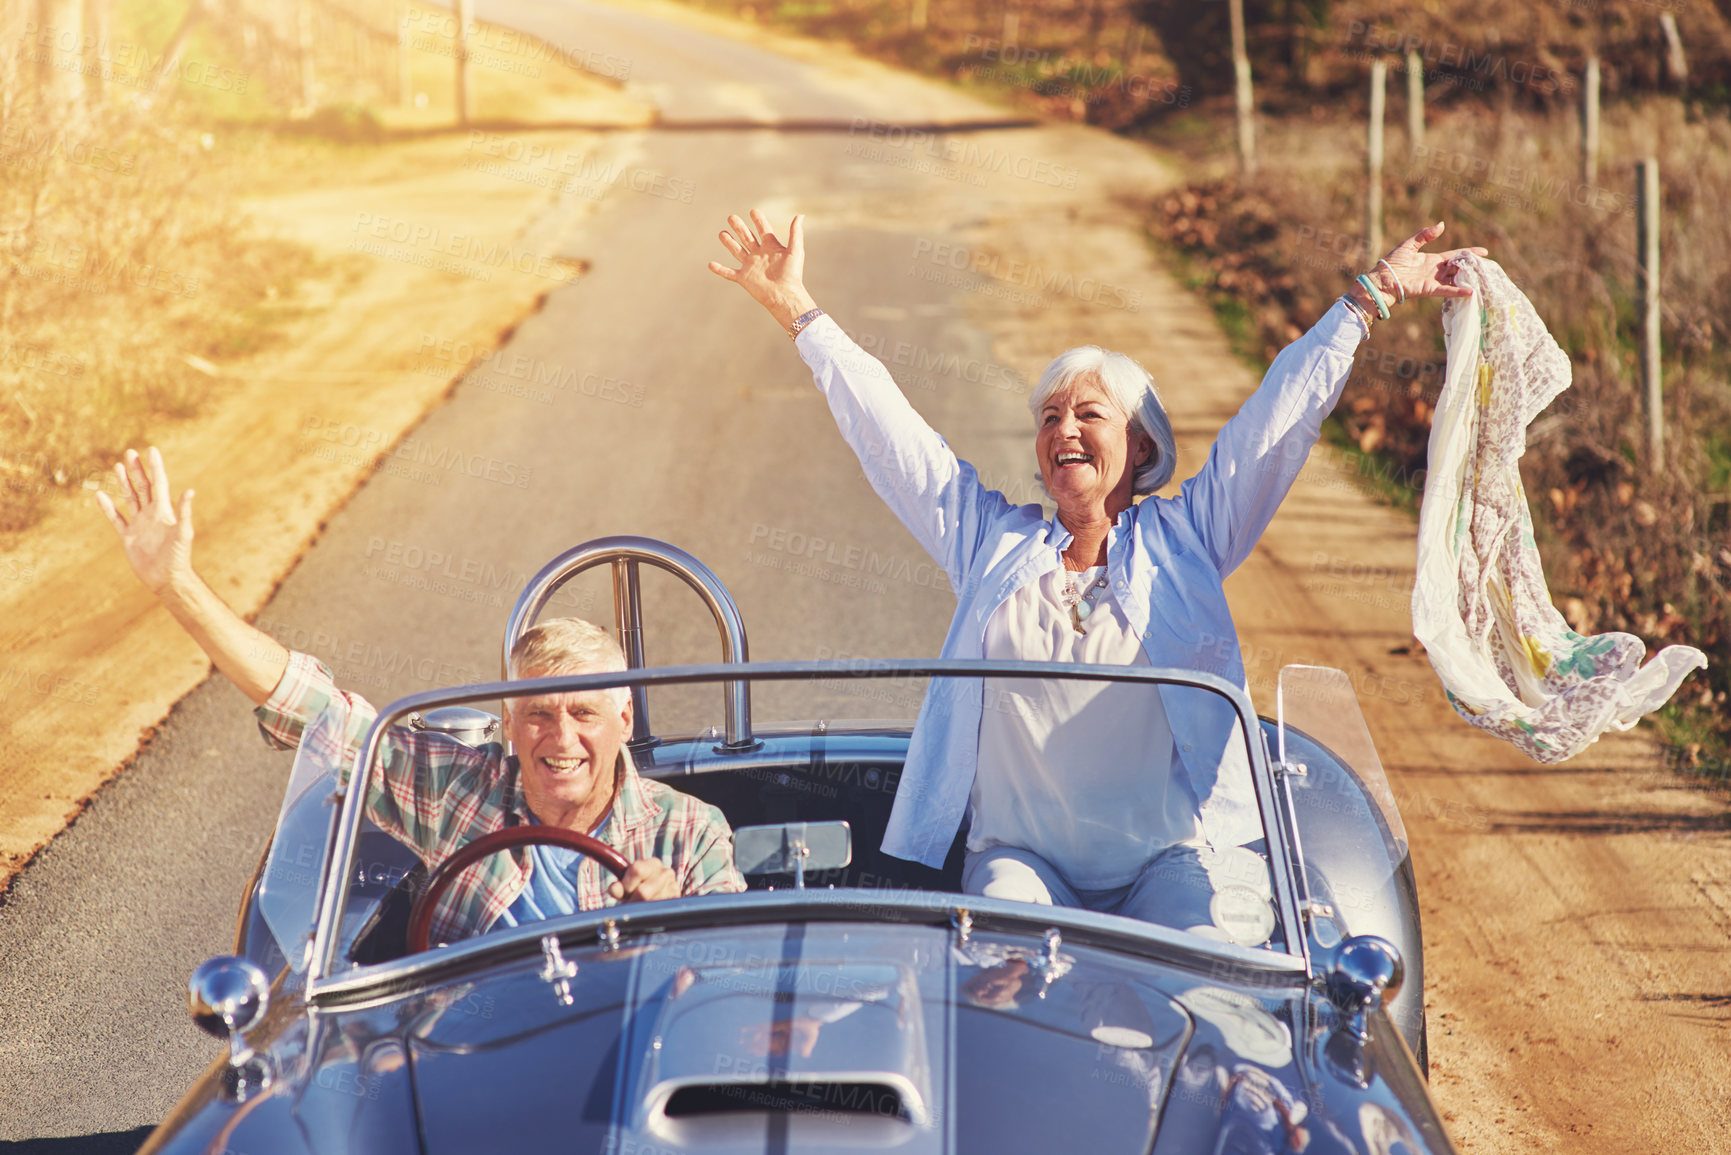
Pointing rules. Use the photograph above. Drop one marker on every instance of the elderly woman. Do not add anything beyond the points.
(1088, 793)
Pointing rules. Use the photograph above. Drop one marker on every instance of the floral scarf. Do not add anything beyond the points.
(1508, 661)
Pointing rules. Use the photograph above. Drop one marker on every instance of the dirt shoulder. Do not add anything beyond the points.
(1576, 917)
(432, 251)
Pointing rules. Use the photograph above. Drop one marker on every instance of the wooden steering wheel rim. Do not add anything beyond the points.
(509, 838)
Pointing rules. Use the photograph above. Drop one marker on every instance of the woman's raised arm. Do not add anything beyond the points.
(773, 273)
(938, 497)
(1259, 453)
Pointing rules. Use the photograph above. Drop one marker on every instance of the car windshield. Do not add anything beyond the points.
(1140, 788)
(1343, 810)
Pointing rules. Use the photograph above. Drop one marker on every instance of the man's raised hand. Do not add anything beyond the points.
(158, 544)
(157, 539)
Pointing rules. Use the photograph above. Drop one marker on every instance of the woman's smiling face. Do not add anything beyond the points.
(1088, 452)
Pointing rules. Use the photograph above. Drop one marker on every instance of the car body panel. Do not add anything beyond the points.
(1129, 1045)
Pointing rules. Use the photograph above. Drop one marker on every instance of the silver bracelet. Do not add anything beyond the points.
(1357, 311)
(1397, 284)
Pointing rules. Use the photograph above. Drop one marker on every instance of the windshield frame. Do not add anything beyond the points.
(1126, 933)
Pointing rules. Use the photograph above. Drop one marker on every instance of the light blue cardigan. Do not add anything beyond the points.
(1166, 556)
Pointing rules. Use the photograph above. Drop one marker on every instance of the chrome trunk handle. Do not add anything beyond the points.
(625, 554)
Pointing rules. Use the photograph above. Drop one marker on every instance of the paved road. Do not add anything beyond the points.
(719, 445)
(697, 78)
(1576, 916)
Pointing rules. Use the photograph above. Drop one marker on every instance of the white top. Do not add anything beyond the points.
(1078, 772)
(1167, 558)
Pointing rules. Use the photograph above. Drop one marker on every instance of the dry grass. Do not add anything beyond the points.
(1628, 547)
(1064, 59)
(129, 275)
(1121, 63)
(128, 279)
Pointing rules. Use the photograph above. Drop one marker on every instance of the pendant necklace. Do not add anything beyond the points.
(1081, 602)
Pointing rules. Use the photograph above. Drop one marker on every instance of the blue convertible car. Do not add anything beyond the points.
(848, 1001)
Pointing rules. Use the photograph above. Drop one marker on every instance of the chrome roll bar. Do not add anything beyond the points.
(625, 554)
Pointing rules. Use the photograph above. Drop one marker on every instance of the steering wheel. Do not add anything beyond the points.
(421, 918)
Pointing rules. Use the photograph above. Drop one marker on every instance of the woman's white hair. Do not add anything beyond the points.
(568, 646)
(1132, 390)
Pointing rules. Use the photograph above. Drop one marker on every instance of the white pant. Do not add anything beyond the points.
(1175, 890)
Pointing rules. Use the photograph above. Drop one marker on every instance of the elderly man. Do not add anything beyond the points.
(571, 768)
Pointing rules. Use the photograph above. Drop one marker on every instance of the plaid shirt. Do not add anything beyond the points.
(435, 794)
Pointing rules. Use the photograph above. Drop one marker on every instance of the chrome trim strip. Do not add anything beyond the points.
(336, 882)
(933, 908)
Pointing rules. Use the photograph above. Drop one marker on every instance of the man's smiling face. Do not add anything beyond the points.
(568, 747)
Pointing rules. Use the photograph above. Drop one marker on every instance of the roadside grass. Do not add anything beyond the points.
(1089, 63)
(132, 272)
(1628, 547)
(129, 279)
(1230, 312)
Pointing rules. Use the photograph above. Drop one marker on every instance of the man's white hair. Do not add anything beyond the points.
(568, 646)
(1132, 390)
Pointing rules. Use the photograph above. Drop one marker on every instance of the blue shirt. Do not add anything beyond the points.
(552, 887)
(1168, 557)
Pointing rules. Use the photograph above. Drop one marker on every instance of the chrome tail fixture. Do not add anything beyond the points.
(466, 724)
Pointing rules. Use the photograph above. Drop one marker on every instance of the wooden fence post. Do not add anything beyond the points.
(1590, 122)
(1133, 36)
(465, 13)
(169, 63)
(97, 23)
(1676, 65)
(1647, 250)
(405, 41)
(60, 69)
(304, 54)
(1241, 76)
(1414, 102)
(1373, 165)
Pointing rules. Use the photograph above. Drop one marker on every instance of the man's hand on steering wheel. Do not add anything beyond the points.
(647, 871)
(648, 880)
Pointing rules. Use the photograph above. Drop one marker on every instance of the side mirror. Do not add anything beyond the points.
(227, 997)
(793, 848)
(1367, 972)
